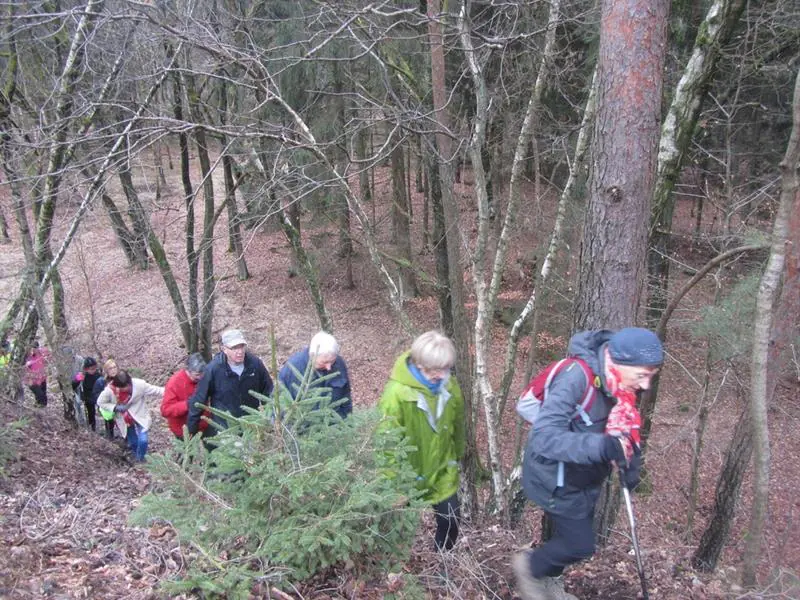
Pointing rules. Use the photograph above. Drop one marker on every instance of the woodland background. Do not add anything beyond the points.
(507, 171)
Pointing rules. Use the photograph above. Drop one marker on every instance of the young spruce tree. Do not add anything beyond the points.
(290, 490)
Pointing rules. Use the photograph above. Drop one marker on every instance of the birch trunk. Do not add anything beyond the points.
(484, 301)
(486, 295)
(767, 294)
(676, 136)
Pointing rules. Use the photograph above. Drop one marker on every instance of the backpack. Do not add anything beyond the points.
(532, 397)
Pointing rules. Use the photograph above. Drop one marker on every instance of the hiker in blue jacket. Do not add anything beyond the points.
(569, 456)
(323, 354)
(226, 384)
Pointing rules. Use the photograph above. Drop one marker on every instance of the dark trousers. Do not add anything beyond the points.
(39, 392)
(109, 428)
(448, 514)
(572, 541)
(90, 414)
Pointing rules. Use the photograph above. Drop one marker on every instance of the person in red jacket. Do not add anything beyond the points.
(179, 388)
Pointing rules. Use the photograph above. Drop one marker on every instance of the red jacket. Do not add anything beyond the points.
(175, 405)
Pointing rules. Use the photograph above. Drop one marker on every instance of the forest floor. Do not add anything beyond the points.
(66, 492)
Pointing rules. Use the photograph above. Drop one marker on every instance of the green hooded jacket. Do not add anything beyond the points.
(434, 425)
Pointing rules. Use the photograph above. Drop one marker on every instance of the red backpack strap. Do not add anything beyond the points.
(582, 409)
(554, 370)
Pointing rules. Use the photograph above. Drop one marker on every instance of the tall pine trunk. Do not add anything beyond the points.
(633, 35)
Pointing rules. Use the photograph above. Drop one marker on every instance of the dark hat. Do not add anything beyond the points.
(634, 346)
(89, 362)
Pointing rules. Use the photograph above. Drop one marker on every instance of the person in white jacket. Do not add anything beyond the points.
(126, 398)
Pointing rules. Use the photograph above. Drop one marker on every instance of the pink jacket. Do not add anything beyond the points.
(36, 367)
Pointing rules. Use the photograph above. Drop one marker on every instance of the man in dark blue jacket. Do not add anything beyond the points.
(227, 382)
(570, 454)
(323, 354)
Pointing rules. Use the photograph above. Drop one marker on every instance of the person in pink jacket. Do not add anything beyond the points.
(179, 388)
(35, 375)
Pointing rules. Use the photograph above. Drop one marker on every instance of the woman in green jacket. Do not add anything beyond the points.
(424, 400)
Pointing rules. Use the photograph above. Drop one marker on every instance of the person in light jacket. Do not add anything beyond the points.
(425, 401)
(127, 397)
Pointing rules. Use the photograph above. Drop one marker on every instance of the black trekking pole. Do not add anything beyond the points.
(626, 493)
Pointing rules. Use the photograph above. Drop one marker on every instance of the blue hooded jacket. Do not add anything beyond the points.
(563, 466)
(339, 384)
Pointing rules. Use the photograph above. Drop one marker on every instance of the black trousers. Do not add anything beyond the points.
(448, 514)
(572, 541)
(90, 414)
(39, 392)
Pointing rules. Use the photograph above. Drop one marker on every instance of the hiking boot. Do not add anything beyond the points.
(528, 587)
(555, 589)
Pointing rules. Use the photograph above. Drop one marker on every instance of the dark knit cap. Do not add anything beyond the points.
(89, 361)
(634, 346)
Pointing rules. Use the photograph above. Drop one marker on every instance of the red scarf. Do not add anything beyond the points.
(122, 396)
(624, 419)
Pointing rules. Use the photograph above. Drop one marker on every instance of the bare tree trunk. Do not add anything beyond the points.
(164, 267)
(483, 293)
(676, 136)
(538, 295)
(633, 43)
(440, 245)
(58, 154)
(140, 227)
(4, 237)
(206, 248)
(700, 429)
(402, 224)
(726, 496)
(577, 174)
(767, 293)
(34, 292)
(234, 225)
(452, 220)
(307, 268)
(234, 221)
(633, 36)
(122, 233)
(192, 255)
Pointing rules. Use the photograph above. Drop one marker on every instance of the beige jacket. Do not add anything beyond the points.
(137, 405)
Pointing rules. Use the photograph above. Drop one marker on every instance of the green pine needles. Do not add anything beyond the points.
(290, 490)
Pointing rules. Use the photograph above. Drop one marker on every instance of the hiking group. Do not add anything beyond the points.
(582, 410)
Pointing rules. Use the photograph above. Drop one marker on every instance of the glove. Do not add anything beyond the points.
(120, 408)
(632, 476)
(612, 450)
